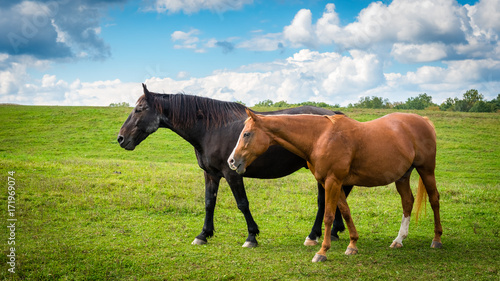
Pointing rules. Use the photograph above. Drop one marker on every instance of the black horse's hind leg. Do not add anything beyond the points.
(211, 188)
(235, 181)
(338, 223)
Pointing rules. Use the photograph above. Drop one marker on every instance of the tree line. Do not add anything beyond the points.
(471, 101)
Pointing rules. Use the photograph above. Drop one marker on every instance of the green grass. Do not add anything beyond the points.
(89, 210)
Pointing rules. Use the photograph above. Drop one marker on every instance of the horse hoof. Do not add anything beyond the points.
(436, 244)
(319, 258)
(351, 251)
(198, 242)
(396, 245)
(310, 242)
(249, 244)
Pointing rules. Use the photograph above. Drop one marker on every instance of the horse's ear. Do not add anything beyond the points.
(252, 115)
(147, 94)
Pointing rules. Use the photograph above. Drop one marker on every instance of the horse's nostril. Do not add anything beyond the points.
(231, 161)
(120, 139)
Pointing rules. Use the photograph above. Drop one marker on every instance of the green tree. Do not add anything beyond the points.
(265, 103)
(281, 104)
(495, 103)
(470, 98)
(421, 102)
(448, 104)
(372, 102)
(482, 106)
(120, 104)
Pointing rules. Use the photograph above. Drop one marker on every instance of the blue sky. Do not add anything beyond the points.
(94, 52)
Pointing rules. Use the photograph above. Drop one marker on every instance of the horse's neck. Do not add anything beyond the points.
(193, 134)
(297, 133)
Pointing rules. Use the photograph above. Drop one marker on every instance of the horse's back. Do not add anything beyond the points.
(409, 124)
(393, 143)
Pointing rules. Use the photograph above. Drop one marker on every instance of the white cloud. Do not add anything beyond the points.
(464, 39)
(327, 27)
(183, 75)
(194, 6)
(266, 42)
(415, 31)
(485, 15)
(306, 76)
(101, 93)
(409, 31)
(190, 40)
(53, 29)
(300, 32)
(186, 37)
(14, 76)
(335, 78)
(409, 53)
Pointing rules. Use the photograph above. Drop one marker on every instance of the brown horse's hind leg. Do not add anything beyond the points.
(404, 190)
(353, 234)
(429, 181)
(333, 189)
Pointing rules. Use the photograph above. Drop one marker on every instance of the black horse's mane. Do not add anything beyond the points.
(185, 110)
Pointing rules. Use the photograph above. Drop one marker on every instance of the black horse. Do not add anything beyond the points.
(212, 127)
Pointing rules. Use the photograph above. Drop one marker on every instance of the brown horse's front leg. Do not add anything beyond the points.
(333, 188)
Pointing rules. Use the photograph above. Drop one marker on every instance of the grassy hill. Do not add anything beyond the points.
(87, 209)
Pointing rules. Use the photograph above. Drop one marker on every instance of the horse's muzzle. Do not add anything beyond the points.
(237, 166)
(128, 145)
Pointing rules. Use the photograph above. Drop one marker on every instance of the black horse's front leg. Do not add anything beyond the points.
(211, 189)
(235, 181)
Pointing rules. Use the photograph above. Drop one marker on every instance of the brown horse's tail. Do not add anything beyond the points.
(421, 191)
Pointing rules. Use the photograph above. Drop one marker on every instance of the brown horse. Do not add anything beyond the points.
(342, 151)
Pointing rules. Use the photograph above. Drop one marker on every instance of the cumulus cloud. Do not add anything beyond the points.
(335, 78)
(410, 31)
(300, 32)
(194, 6)
(409, 53)
(406, 21)
(14, 77)
(463, 39)
(306, 76)
(53, 29)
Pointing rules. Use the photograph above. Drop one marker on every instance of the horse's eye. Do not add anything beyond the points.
(246, 135)
(138, 110)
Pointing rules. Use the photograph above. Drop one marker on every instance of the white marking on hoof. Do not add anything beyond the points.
(249, 244)
(351, 251)
(403, 232)
(310, 242)
(198, 242)
(396, 245)
(319, 258)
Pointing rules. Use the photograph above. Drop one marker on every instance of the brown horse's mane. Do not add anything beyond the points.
(185, 110)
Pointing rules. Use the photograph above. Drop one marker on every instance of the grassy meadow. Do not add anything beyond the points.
(87, 209)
